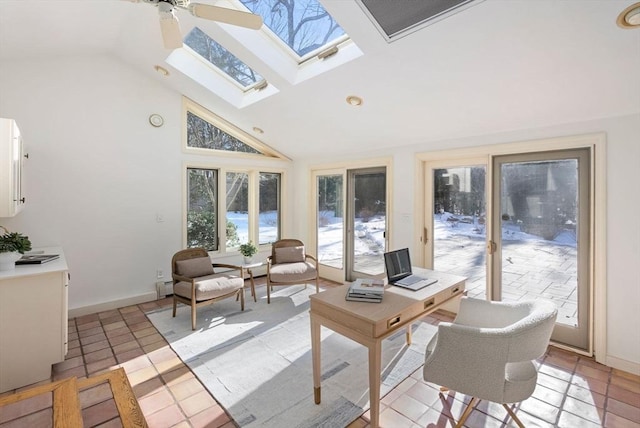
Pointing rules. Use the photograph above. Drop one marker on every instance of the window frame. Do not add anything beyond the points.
(253, 172)
(216, 68)
(185, 205)
(190, 106)
(283, 46)
(279, 209)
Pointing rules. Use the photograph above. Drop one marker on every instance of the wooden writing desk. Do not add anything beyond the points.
(369, 323)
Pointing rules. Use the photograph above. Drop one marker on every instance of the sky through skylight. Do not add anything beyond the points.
(303, 25)
(221, 58)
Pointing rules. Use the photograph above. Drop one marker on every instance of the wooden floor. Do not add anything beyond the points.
(573, 391)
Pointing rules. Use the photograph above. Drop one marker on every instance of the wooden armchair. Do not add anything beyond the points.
(196, 284)
(289, 264)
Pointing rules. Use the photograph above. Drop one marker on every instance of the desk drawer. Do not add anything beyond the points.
(417, 309)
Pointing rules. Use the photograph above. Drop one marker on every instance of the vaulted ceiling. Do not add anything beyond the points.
(497, 66)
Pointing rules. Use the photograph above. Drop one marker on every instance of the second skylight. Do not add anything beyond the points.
(222, 59)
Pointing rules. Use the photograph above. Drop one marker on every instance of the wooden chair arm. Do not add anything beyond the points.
(228, 266)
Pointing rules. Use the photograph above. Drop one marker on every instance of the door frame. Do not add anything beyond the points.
(349, 246)
(333, 274)
(562, 332)
(597, 253)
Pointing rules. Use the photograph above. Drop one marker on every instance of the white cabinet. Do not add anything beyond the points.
(33, 321)
(12, 158)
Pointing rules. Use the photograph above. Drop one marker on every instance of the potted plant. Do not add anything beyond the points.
(248, 250)
(12, 246)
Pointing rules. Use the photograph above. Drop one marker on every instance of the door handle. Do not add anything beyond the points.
(491, 247)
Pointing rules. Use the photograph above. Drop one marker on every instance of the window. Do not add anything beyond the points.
(202, 201)
(206, 133)
(237, 209)
(269, 208)
(245, 219)
(202, 134)
(304, 25)
(223, 60)
(300, 40)
(232, 204)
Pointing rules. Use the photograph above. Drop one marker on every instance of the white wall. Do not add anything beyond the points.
(623, 206)
(98, 173)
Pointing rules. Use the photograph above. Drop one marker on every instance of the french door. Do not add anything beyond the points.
(457, 231)
(541, 242)
(518, 227)
(351, 218)
(367, 222)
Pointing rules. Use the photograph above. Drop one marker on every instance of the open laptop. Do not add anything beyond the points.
(398, 265)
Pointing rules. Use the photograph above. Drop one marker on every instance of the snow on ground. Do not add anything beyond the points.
(369, 235)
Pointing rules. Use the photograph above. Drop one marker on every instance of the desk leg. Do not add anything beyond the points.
(315, 356)
(375, 362)
(409, 334)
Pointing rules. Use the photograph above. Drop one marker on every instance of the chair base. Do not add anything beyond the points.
(473, 403)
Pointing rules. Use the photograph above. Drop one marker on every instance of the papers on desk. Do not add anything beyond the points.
(366, 290)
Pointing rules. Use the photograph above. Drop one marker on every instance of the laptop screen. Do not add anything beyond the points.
(398, 264)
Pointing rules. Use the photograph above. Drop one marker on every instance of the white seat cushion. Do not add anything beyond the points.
(293, 272)
(210, 286)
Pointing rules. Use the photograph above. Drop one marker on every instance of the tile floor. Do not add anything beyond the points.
(573, 391)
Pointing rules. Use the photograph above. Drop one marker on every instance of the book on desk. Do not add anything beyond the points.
(365, 290)
(36, 259)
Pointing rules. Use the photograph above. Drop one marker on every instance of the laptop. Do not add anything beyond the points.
(398, 266)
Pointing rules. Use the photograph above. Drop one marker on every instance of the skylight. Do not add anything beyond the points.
(222, 59)
(299, 41)
(303, 25)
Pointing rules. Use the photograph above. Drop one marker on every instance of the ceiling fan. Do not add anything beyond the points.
(170, 28)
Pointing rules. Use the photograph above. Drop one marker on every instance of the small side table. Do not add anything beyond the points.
(248, 268)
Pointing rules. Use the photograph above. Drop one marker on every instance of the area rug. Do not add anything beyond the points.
(257, 363)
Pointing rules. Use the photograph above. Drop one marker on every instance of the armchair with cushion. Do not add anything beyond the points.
(487, 352)
(290, 264)
(196, 284)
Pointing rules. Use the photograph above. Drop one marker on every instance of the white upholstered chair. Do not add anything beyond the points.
(195, 282)
(488, 351)
(289, 264)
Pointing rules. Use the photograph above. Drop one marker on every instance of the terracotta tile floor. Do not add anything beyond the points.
(573, 391)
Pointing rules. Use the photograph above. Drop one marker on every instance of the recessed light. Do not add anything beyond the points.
(258, 130)
(161, 70)
(354, 100)
(630, 17)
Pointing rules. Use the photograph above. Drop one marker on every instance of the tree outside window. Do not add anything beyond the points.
(202, 191)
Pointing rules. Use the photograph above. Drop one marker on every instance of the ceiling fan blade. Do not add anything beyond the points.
(228, 16)
(170, 29)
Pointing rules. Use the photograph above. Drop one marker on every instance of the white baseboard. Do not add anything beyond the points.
(114, 304)
(624, 365)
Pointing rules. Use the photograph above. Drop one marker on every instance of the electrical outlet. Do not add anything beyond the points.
(159, 274)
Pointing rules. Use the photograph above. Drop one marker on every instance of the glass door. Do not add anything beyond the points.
(456, 222)
(351, 222)
(330, 227)
(541, 242)
(367, 224)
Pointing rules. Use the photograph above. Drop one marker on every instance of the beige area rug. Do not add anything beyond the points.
(257, 363)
